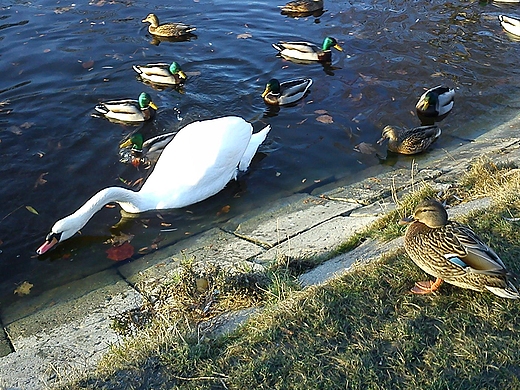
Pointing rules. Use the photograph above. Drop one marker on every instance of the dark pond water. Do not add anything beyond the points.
(58, 59)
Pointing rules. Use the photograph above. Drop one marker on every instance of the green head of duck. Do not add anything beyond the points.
(273, 86)
(330, 42)
(175, 68)
(145, 101)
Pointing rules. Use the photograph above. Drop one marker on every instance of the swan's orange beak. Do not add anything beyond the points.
(48, 244)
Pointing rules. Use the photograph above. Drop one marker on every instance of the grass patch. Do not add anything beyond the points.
(361, 331)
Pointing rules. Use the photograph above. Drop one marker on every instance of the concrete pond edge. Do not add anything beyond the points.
(49, 337)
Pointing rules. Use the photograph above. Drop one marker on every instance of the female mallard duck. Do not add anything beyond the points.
(511, 25)
(435, 102)
(287, 92)
(162, 73)
(172, 30)
(199, 161)
(128, 110)
(143, 152)
(306, 51)
(453, 253)
(409, 141)
(302, 6)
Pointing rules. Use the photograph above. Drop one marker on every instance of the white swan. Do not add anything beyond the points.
(202, 158)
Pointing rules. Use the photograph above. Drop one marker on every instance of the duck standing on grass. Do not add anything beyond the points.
(161, 73)
(409, 141)
(167, 30)
(307, 51)
(127, 110)
(435, 103)
(452, 252)
(199, 161)
(287, 92)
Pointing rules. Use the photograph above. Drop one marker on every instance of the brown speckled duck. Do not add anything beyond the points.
(453, 253)
(409, 141)
(302, 6)
(172, 30)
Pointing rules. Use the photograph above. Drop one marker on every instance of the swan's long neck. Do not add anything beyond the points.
(130, 201)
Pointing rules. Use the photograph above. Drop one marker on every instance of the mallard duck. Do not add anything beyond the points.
(199, 161)
(137, 152)
(435, 102)
(453, 253)
(306, 51)
(409, 141)
(511, 25)
(287, 92)
(302, 6)
(128, 110)
(161, 73)
(173, 30)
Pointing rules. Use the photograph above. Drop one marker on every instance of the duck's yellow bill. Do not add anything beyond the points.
(338, 47)
(152, 104)
(126, 144)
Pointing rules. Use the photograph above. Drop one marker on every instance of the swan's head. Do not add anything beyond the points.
(61, 231)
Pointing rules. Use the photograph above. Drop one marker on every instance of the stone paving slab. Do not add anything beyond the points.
(287, 219)
(215, 245)
(66, 338)
(319, 241)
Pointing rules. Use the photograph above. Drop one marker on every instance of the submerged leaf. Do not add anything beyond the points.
(31, 209)
(23, 289)
(121, 252)
(325, 119)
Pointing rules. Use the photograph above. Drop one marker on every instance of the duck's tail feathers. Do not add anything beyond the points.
(139, 71)
(509, 292)
(277, 46)
(254, 143)
(101, 108)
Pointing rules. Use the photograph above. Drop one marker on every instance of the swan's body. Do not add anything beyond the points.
(307, 51)
(511, 25)
(127, 110)
(161, 73)
(202, 158)
(435, 102)
(171, 30)
(287, 92)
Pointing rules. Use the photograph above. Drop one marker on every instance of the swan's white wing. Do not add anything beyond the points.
(198, 162)
(254, 143)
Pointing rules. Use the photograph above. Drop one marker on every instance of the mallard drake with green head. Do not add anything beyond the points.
(287, 92)
(409, 141)
(173, 30)
(161, 73)
(137, 152)
(511, 25)
(307, 51)
(128, 110)
(435, 102)
(302, 6)
(452, 252)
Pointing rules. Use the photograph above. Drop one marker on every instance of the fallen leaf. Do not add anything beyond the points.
(26, 125)
(41, 180)
(120, 239)
(319, 112)
(31, 209)
(47, 50)
(325, 119)
(87, 64)
(15, 130)
(365, 148)
(244, 36)
(224, 210)
(23, 289)
(121, 252)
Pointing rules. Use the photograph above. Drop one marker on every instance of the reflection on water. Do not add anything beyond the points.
(59, 61)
